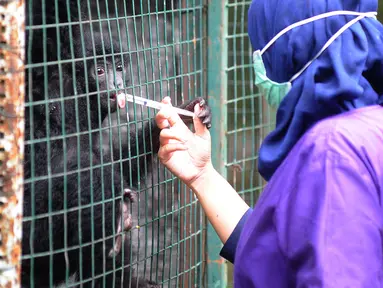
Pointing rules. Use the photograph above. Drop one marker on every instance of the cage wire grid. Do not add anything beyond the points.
(165, 57)
(250, 119)
(192, 49)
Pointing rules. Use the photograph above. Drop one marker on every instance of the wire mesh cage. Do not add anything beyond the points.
(250, 118)
(99, 210)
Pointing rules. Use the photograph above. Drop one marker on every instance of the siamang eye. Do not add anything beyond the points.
(119, 67)
(100, 71)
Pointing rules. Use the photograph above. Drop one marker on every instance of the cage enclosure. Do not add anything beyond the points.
(99, 210)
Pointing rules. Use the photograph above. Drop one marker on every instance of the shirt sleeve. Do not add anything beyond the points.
(228, 250)
(329, 223)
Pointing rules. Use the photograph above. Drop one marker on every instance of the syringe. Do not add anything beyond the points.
(155, 104)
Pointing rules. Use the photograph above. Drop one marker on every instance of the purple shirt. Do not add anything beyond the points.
(319, 221)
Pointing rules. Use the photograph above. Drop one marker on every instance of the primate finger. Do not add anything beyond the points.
(200, 128)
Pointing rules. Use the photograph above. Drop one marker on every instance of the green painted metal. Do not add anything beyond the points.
(209, 38)
(217, 96)
(170, 226)
(243, 118)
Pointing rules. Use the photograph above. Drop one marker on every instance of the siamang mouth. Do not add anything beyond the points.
(119, 98)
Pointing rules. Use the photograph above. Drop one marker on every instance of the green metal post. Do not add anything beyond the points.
(217, 96)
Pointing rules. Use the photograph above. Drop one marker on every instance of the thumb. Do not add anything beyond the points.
(200, 128)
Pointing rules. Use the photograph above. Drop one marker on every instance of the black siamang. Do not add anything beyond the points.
(77, 204)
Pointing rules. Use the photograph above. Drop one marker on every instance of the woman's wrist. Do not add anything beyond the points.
(222, 205)
(207, 175)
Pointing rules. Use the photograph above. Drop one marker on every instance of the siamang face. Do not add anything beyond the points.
(109, 80)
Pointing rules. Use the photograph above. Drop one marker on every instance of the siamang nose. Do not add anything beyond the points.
(118, 83)
(115, 83)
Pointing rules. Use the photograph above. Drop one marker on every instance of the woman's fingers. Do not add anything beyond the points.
(162, 123)
(166, 135)
(167, 100)
(166, 151)
(161, 118)
(167, 118)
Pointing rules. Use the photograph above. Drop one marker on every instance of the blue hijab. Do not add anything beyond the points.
(347, 76)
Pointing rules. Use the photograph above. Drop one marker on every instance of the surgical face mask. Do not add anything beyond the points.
(275, 92)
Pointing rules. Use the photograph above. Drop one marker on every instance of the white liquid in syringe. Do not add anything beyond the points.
(155, 104)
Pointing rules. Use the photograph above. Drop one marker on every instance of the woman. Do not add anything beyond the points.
(319, 221)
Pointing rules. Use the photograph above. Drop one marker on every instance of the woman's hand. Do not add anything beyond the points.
(186, 154)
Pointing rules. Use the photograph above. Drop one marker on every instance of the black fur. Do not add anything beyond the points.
(74, 183)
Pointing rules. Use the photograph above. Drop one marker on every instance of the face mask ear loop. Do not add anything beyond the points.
(331, 40)
(309, 20)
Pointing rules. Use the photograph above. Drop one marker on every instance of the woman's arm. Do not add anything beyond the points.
(188, 156)
(221, 203)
